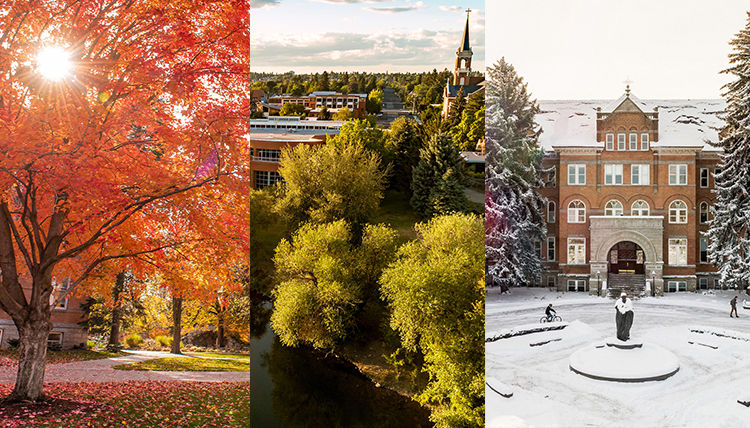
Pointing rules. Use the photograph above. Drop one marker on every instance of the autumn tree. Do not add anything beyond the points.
(142, 111)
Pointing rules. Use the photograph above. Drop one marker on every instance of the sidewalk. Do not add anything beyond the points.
(102, 371)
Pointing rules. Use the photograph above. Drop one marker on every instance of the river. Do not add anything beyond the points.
(301, 387)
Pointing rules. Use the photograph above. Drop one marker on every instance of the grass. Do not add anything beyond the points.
(189, 364)
(395, 210)
(135, 405)
(10, 358)
(219, 355)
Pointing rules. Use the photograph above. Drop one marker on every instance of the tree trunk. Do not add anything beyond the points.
(31, 361)
(114, 332)
(220, 329)
(176, 324)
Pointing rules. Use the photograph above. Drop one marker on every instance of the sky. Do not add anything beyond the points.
(588, 49)
(308, 36)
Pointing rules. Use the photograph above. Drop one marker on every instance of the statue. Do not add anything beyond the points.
(623, 317)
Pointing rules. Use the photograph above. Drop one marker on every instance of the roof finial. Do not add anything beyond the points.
(627, 83)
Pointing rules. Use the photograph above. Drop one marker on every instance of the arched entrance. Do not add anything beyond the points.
(626, 257)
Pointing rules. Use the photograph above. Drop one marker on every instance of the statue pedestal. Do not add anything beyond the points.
(617, 361)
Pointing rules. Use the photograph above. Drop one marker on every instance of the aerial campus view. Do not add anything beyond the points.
(617, 215)
(367, 214)
(123, 215)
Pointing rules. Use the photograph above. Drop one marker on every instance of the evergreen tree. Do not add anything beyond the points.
(437, 178)
(406, 143)
(455, 112)
(471, 128)
(729, 247)
(514, 210)
(374, 101)
(324, 114)
(323, 82)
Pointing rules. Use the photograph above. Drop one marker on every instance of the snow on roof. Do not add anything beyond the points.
(682, 123)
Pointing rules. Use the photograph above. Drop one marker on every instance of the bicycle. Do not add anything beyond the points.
(545, 319)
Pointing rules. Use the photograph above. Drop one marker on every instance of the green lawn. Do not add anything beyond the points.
(10, 358)
(134, 405)
(396, 211)
(189, 364)
(219, 355)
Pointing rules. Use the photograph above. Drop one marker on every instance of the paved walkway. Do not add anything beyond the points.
(474, 196)
(102, 371)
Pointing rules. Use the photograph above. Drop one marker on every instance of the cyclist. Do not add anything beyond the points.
(549, 312)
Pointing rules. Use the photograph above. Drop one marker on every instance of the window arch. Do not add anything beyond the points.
(576, 212)
(551, 209)
(613, 208)
(704, 212)
(639, 209)
(678, 212)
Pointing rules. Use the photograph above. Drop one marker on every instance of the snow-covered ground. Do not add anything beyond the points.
(703, 393)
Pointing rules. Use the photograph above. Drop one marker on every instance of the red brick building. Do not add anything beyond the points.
(333, 101)
(269, 136)
(65, 318)
(629, 194)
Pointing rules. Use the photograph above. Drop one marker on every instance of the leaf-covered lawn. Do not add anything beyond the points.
(219, 355)
(188, 364)
(134, 405)
(10, 358)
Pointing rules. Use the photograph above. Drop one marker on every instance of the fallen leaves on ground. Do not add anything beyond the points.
(133, 405)
(191, 364)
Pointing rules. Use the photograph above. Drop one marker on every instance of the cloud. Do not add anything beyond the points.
(397, 9)
(417, 50)
(450, 8)
(351, 1)
(260, 4)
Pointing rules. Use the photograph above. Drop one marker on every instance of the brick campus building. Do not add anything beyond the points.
(629, 194)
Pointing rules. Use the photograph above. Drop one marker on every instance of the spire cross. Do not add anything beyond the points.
(467, 12)
(627, 82)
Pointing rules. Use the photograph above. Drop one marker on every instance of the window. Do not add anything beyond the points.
(639, 175)
(59, 288)
(703, 283)
(717, 284)
(704, 212)
(676, 286)
(54, 338)
(639, 209)
(612, 174)
(704, 250)
(677, 175)
(551, 248)
(644, 141)
(678, 251)
(576, 251)
(576, 285)
(550, 212)
(610, 142)
(576, 174)
(633, 141)
(613, 208)
(704, 177)
(678, 212)
(576, 212)
(266, 178)
(267, 155)
(551, 282)
(620, 141)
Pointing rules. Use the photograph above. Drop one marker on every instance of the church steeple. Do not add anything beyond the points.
(463, 57)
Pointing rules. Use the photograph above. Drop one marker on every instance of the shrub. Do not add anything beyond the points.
(90, 344)
(133, 340)
(113, 348)
(54, 347)
(14, 343)
(165, 341)
(151, 345)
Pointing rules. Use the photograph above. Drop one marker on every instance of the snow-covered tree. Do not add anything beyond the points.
(728, 231)
(514, 210)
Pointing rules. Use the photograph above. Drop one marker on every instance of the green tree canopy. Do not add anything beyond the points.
(329, 182)
(405, 142)
(435, 290)
(362, 133)
(324, 281)
(324, 114)
(374, 101)
(437, 180)
(470, 130)
(456, 110)
(343, 114)
(292, 109)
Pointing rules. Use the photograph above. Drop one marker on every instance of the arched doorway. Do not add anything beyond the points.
(626, 257)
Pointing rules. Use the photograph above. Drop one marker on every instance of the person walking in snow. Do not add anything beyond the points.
(623, 317)
(549, 311)
(733, 302)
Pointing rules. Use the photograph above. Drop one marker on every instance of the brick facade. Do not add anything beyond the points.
(618, 184)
